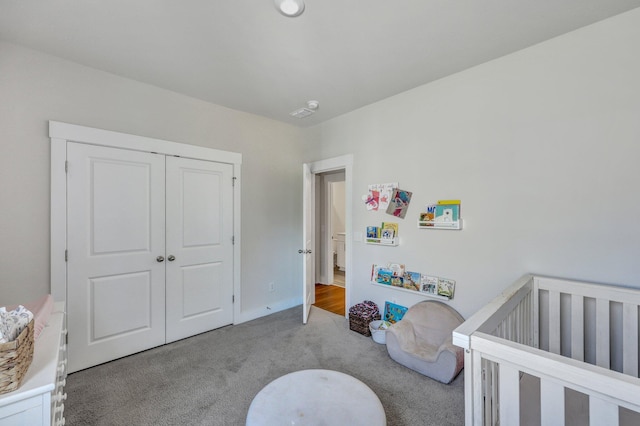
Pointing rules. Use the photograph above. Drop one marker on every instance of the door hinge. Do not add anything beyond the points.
(233, 240)
(66, 166)
(66, 255)
(233, 181)
(233, 298)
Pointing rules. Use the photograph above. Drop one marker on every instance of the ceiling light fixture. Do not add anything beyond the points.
(290, 8)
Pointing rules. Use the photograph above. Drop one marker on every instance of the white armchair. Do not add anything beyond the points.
(422, 341)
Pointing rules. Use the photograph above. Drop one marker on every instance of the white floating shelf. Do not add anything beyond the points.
(417, 293)
(383, 241)
(430, 224)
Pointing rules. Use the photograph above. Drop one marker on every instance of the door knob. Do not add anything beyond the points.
(171, 258)
(160, 259)
(300, 251)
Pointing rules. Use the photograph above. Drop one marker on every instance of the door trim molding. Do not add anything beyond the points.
(93, 136)
(61, 133)
(343, 162)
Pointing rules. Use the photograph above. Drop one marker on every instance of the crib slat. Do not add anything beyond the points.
(535, 311)
(603, 343)
(478, 387)
(630, 339)
(554, 322)
(551, 403)
(494, 393)
(602, 413)
(509, 386)
(577, 327)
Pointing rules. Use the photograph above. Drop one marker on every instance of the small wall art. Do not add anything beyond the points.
(399, 203)
(379, 196)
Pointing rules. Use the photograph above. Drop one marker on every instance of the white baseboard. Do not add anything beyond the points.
(268, 310)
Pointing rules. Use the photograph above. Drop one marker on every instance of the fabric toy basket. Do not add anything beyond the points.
(361, 314)
(15, 359)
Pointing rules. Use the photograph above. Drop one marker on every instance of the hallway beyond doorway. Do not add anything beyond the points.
(330, 298)
(338, 277)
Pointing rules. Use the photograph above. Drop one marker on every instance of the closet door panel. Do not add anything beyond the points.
(116, 287)
(199, 240)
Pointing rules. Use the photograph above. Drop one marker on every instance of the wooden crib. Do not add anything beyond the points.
(550, 351)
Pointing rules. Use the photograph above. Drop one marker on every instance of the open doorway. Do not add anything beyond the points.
(316, 259)
(331, 259)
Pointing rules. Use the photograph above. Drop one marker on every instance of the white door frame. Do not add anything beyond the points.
(308, 242)
(344, 162)
(325, 272)
(60, 133)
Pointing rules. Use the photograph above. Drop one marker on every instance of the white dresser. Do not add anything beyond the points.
(40, 398)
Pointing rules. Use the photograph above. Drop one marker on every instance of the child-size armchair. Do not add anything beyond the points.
(422, 341)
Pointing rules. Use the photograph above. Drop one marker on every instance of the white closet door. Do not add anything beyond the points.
(116, 286)
(199, 246)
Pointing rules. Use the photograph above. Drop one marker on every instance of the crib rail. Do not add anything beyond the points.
(607, 390)
(565, 335)
(613, 334)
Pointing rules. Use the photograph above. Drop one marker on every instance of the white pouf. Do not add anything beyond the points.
(316, 397)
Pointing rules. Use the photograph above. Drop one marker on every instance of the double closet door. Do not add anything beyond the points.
(150, 250)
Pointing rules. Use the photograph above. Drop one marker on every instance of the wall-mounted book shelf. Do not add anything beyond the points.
(417, 293)
(396, 276)
(443, 215)
(384, 235)
(430, 224)
(390, 242)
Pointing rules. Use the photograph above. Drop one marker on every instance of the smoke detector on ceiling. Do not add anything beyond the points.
(312, 106)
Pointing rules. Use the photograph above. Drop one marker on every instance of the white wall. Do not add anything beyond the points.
(542, 147)
(35, 88)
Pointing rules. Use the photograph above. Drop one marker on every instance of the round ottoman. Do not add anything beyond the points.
(316, 397)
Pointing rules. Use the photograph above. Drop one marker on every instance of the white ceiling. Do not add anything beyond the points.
(244, 55)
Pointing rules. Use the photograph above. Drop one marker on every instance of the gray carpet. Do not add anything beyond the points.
(210, 379)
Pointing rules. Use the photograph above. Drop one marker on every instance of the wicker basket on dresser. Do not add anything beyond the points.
(40, 398)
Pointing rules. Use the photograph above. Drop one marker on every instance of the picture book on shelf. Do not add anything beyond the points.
(446, 287)
(412, 280)
(428, 284)
(374, 272)
(386, 234)
(447, 213)
(389, 227)
(397, 281)
(393, 313)
(428, 216)
(397, 269)
(384, 276)
(373, 233)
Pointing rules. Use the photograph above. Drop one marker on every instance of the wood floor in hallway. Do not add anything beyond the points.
(330, 298)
